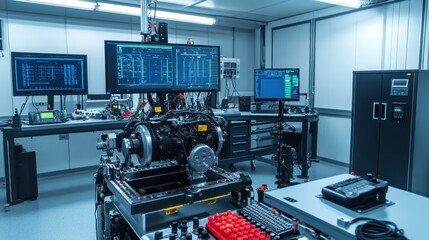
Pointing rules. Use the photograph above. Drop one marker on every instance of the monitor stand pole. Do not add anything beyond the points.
(50, 102)
(284, 154)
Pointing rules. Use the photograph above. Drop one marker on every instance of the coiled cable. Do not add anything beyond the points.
(377, 229)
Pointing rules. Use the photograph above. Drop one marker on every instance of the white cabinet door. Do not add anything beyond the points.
(83, 150)
(51, 153)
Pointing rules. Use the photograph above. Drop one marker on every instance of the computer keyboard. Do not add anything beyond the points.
(356, 191)
(346, 182)
(267, 219)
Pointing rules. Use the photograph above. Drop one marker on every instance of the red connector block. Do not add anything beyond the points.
(231, 226)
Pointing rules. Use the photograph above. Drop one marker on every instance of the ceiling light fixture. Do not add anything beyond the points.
(122, 9)
(136, 11)
(64, 3)
(345, 3)
(185, 18)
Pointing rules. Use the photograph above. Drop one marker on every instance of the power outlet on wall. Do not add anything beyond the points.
(38, 104)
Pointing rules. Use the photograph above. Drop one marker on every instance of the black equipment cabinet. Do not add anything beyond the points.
(390, 126)
(26, 175)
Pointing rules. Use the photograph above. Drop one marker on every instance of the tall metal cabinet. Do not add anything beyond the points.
(390, 127)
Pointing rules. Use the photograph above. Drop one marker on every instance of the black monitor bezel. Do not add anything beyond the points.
(108, 81)
(277, 99)
(43, 92)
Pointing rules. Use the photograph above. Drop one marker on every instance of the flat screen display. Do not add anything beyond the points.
(139, 67)
(277, 84)
(49, 74)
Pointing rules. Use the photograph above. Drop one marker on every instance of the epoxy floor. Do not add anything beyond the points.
(65, 206)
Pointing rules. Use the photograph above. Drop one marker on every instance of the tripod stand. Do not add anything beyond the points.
(284, 154)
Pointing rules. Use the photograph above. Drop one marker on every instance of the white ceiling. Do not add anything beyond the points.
(253, 10)
(243, 13)
(231, 13)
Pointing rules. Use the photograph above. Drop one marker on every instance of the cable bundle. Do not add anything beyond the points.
(377, 229)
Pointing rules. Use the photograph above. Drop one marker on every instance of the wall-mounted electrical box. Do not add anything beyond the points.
(229, 68)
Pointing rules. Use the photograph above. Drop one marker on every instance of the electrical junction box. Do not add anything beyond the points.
(229, 68)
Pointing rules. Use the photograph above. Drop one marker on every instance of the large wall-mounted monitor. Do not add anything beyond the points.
(49, 74)
(277, 84)
(139, 67)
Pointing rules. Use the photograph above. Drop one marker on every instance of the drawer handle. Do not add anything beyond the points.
(239, 136)
(265, 138)
(238, 151)
(239, 143)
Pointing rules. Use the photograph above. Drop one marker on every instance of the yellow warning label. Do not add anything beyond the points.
(212, 200)
(202, 128)
(158, 109)
(171, 210)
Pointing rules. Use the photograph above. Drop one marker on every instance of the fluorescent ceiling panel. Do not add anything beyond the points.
(185, 18)
(345, 3)
(64, 3)
(122, 9)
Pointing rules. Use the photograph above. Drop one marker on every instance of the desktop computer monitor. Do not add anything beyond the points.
(276, 84)
(141, 67)
(49, 74)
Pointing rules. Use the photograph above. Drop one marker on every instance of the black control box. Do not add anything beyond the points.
(44, 117)
(357, 192)
(244, 104)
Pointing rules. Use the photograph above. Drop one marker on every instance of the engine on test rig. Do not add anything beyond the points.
(167, 160)
(192, 139)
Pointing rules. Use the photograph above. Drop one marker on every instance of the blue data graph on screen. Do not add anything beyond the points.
(277, 84)
(142, 65)
(44, 73)
(196, 67)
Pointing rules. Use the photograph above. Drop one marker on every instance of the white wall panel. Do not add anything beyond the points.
(425, 60)
(369, 39)
(413, 36)
(293, 20)
(291, 49)
(403, 30)
(344, 44)
(51, 153)
(83, 152)
(1, 159)
(35, 33)
(89, 40)
(334, 138)
(244, 44)
(335, 58)
(5, 70)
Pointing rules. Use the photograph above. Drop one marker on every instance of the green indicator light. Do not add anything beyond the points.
(122, 67)
(295, 80)
(142, 66)
(288, 86)
(46, 115)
